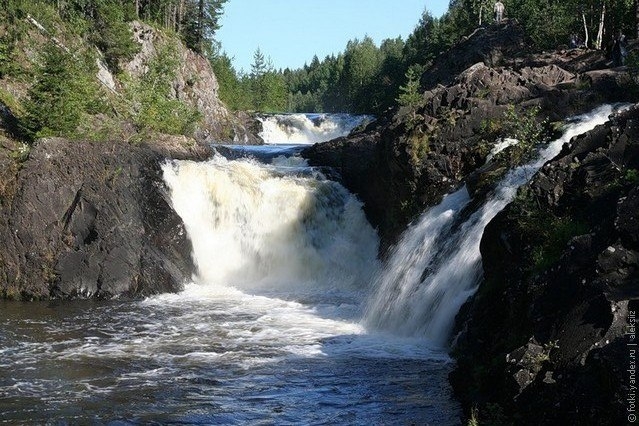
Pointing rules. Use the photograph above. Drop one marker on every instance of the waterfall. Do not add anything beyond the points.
(270, 227)
(308, 128)
(283, 227)
(436, 265)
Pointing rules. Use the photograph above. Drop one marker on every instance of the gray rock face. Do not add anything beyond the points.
(93, 220)
(196, 85)
(542, 341)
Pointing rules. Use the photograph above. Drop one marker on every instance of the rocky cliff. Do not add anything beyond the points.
(544, 340)
(93, 220)
(194, 84)
(412, 156)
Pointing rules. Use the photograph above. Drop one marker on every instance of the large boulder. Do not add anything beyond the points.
(93, 220)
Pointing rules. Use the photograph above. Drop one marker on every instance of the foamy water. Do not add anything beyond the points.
(308, 128)
(268, 331)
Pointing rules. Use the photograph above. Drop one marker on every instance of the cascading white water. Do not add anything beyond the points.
(253, 226)
(436, 265)
(308, 128)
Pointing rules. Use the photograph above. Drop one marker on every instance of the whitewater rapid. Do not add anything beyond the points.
(268, 330)
(271, 226)
(308, 128)
(290, 318)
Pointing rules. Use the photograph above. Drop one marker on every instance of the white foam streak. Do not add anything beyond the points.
(500, 146)
(436, 265)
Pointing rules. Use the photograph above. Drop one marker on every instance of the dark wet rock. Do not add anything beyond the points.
(627, 220)
(488, 45)
(525, 363)
(94, 220)
(560, 265)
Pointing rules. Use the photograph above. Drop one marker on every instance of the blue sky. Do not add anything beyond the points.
(290, 32)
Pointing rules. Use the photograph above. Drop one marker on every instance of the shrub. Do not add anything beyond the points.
(112, 34)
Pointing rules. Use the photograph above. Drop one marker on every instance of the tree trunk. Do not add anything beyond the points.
(601, 27)
(180, 16)
(586, 39)
(200, 26)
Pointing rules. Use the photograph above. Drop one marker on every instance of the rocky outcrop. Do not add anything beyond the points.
(194, 84)
(492, 45)
(545, 338)
(411, 157)
(93, 220)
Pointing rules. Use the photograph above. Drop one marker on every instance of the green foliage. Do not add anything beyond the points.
(632, 176)
(409, 94)
(548, 23)
(21, 153)
(10, 101)
(64, 90)
(64, 97)
(418, 145)
(264, 89)
(156, 110)
(473, 420)
(546, 233)
(524, 125)
(7, 66)
(111, 34)
(232, 90)
(198, 24)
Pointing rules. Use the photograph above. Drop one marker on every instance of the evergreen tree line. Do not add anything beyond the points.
(366, 78)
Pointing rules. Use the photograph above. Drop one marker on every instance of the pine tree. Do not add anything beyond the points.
(409, 95)
(64, 89)
(200, 22)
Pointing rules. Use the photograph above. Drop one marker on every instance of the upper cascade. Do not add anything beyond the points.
(308, 128)
(271, 226)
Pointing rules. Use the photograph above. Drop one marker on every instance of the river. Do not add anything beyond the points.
(270, 330)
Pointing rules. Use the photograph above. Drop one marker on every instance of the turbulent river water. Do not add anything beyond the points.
(290, 318)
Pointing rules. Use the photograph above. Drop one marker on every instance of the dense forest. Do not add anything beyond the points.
(363, 78)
